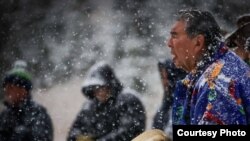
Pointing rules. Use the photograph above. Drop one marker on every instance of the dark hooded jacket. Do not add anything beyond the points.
(121, 118)
(163, 115)
(26, 122)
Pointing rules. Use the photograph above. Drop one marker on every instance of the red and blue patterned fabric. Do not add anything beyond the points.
(216, 93)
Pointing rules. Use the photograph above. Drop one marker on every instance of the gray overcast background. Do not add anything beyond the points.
(61, 39)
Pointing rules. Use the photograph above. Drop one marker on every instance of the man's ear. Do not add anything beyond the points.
(200, 41)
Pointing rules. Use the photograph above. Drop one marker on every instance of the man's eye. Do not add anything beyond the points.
(173, 35)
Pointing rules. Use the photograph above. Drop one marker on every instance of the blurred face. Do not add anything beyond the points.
(183, 48)
(14, 94)
(102, 94)
(240, 51)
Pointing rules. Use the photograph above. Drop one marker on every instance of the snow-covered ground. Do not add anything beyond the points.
(64, 101)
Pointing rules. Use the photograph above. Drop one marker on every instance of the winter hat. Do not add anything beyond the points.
(241, 33)
(18, 77)
(100, 74)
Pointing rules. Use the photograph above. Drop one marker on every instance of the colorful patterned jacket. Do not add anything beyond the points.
(218, 93)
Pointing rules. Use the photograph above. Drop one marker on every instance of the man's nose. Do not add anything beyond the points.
(169, 43)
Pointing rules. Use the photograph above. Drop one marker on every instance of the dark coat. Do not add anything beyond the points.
(163, 115)
(121, 118)
(27, 122)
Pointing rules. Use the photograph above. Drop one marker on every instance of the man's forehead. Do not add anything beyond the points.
(178, 26)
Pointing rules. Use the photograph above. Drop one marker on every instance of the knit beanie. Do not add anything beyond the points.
(18, 77)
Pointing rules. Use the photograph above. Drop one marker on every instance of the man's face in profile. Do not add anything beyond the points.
(182, 46)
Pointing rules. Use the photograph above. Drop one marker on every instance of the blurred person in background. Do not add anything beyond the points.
(112, 112)
(237, 39)
(169, 76)
(216, 90)
(22, 119)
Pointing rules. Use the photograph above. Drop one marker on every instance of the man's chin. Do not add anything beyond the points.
(177, 65)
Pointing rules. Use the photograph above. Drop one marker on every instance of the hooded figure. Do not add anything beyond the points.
(162, 117)
(23, 119)
(169, 76)
(112, 113)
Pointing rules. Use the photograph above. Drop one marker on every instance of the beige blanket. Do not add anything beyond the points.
(152, 135)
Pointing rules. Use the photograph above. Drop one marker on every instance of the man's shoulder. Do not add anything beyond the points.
(233, 59)
(129, 96)
(36, 108)
(129, 93)
(227, 68)
(234, 65)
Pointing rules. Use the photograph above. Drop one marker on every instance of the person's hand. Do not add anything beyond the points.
(84, 138)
